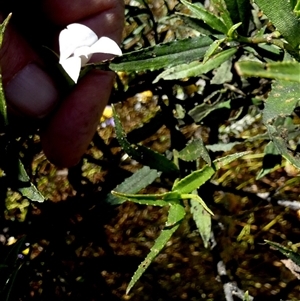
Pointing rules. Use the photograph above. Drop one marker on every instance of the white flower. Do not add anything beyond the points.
(77, 44)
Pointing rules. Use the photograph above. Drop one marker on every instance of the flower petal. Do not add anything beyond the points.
(106, 45)
(74, 36)
(72, 66)
(84, 53)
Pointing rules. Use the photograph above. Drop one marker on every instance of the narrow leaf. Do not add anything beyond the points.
(28, 190)
(195, 150)
(196, 68)
(278, 136)
(219, 163)
(203, 221)
(196, 197)
(296, 9)
(3, 27)
(221, 10)
(212, 49)
(231, 32)
(295, 257)
(199, 112)
(139, 180)
(162, 55)
(239, 12)
(142, 199)
(142, 154)
(161, 200)
(199, 177)
(282, 16)
(3, 112)
(288, 71)
(176, 214)
(202, 14)
(3, 109)
(160, 242)
(194, 180)
(155, 160)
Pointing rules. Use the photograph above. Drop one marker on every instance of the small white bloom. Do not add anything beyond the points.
(77, 44)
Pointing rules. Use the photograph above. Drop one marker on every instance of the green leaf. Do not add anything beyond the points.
(195, 150)
(288, 71)
(139, 180)
(232, 31)
(142, 154)
(155, 160)
(3, 27)
(295, 257)
(239, 12)
(270, 52)
(296, 9)
(196, 68)
(194, 180)
(282, 100)
(203, 221)
(220, 8)
(28, 190)
(199, 177)
(272, 158)
(160, 200)
(202, 14)
(279, 137)
(162, 55)
(159, 244)
(281, 15)
(294, 3)
(198, 25)
(246, 296)
(199, 112)
(176, 214)
(3, 112)
(219, 163)
(212, 49)
(3, 109)
(196, 197)
(223, 74)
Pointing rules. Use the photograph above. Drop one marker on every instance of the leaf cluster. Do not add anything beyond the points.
(217, 68)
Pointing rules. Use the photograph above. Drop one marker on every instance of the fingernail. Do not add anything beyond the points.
(32, 92)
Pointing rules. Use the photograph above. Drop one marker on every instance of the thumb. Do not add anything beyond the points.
(29, 90)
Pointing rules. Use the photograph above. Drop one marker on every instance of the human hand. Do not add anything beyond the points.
(69, 121)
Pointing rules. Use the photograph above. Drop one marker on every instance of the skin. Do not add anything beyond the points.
(68, 129)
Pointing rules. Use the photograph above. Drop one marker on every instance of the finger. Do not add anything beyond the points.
(69, 132)
(28, 88)
(69, 11)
